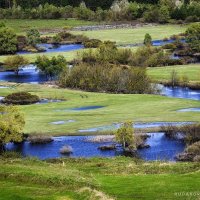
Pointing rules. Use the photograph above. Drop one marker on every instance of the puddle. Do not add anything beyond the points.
(115, 126)
(62, 122)
(189, 110)
(82, 108)
(45, 101)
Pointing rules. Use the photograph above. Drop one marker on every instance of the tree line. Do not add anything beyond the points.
(92, 4)
(163, 11)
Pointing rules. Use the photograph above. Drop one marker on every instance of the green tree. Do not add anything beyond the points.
(193, 37)
(33, 37)
(11, 125)
(8, 41)
(125, 135)
(148, 39)
(51, 67)
(163, 14)
(15, 63)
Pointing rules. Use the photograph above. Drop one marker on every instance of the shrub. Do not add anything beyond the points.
(194, 148)
(14, 63)
(8, 41)
(93, 43)
(148, 39)
(21, 98)
(106, 78)
(66, 149)
(193, 37)
(51, 67)
(40, 139)
(125, 136)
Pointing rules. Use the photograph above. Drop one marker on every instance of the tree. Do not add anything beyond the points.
(148, 39)
(8, 40)
(125, 135)
(33, 37)
(14, 63)
(11, 125)
(163, 14)
(193, 37)
(51, 67)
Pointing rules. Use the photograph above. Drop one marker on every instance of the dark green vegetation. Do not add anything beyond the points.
(193, 37)
(163, 11)
(53, 67)
(8, 41)
(14, 63)
(21, 98)
(11, 125)
(114, 178)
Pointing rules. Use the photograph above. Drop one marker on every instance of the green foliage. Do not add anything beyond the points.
(164, 14)
(174, 78)
(8, 41)
(147, 39)
(21, 98)
(93, 43)
(33, 37)
(106, 78)
(11, 125)
(125, 135)
(15, 63)
(193, 37)
(51, 67)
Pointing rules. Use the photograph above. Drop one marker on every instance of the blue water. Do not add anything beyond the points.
(85, 108)
(189, 110)
(180, 92)
(164, 42)
(28, 74)
(49, 48)
(161, 148)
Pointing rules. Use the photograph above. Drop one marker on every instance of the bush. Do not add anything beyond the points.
(40, 139)
(93, 43)
(66, 150)
(194, 148)
(21, 98)
(106, 78)
(8, 41)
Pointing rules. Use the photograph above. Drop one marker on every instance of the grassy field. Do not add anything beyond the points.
(118, 108)
(192, 71)
(135, 35)
(22, 25)
(97, 179)
(32, 57)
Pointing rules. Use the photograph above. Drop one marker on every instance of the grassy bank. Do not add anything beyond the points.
(135, 35)
(118, 108)
(114, 178)
(191, 71)
(44, 25)
(69, 56)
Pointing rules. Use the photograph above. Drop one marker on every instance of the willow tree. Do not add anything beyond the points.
(11, 125)
(15, 63)
(125, 136)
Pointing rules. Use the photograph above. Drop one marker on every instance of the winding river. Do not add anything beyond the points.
(161, 148)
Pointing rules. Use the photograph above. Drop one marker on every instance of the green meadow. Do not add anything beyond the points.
(97, 179)
(44, 25)
(118, 108)
(191, 71)
(134, 35)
